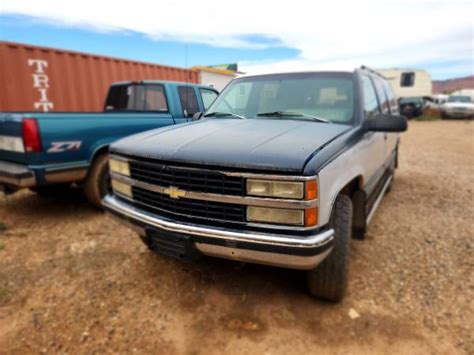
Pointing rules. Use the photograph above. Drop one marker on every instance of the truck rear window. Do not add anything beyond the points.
(136, 98)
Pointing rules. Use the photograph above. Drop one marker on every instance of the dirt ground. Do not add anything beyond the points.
(74, 281)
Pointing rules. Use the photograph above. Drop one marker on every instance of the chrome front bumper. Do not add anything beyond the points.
(16, 175)
(297, 252)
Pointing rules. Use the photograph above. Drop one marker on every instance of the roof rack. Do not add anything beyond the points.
(364, 67)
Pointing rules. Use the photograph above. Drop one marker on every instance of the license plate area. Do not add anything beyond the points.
(174, 245)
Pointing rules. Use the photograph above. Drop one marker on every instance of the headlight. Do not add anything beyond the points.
(275, 215)
(282, 189)
(122, 188)
(308, 217)
(119, 166)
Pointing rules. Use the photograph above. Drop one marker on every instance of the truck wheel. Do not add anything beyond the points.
(328, 280)
(97, 183)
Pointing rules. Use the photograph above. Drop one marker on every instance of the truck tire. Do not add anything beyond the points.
(97, 183)
(328, 281)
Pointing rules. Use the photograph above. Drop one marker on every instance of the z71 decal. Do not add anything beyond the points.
(59, 147)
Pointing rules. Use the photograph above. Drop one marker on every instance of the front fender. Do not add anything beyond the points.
(335, 175)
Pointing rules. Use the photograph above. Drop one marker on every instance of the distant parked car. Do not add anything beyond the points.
(411, 107)
(458, 106)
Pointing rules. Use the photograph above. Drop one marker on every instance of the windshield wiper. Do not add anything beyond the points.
(224, 114)
(289, 114)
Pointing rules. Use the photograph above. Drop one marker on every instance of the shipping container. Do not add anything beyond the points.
(36, 78)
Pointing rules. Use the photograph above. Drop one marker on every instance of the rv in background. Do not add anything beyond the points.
(408, 82)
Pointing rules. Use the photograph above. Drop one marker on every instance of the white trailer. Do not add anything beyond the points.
(408, 82)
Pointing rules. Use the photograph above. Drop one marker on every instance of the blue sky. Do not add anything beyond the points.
(130, 44)
(261, 36)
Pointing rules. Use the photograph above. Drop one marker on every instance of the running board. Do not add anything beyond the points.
(379, 199)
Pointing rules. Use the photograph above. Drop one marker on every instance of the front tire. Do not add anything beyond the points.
(97, 183)
(328, 280)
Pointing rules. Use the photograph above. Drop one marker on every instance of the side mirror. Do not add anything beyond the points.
(197, 116)
(387, 123)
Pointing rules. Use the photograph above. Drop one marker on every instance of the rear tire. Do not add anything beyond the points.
(328, 280)
(97, 183)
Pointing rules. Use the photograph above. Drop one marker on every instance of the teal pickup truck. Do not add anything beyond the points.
(48, 152)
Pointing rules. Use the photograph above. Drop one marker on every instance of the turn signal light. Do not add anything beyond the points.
(311, 217)
(311, 190)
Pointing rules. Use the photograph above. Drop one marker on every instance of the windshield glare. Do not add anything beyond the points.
(331, 98)
(465, 99)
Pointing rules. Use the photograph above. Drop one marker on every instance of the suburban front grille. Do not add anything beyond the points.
(155, 202)
(187, 179)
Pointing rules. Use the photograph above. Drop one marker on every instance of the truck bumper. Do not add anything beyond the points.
(289, 251)
(16, 175)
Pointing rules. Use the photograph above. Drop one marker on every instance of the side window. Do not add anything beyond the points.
(392, 101)
(188, 99)
(136, 98)
(381, 95)
(371, 107)
(155, 98)
(407, 79)
(120, 98)
(208, 97)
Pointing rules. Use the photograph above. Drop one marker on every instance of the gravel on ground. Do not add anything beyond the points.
(72, 280)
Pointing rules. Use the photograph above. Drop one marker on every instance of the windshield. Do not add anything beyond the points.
(464, 99)
(306, 96)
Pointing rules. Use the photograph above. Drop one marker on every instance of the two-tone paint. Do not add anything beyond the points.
(339, 156)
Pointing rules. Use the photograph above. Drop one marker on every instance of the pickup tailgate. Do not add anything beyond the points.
(11, 139)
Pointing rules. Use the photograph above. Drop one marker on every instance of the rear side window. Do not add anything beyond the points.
(208, 97)
(371, 107)
(119, 98)
(407, 79)
(136, 98)
(188, 100)
(384, 104)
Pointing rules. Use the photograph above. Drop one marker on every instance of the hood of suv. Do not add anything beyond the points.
(270, 144)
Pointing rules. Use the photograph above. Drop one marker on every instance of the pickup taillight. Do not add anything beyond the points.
(31, 135)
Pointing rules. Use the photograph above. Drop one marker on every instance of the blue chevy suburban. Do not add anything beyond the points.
(283, 169)
(47, 152)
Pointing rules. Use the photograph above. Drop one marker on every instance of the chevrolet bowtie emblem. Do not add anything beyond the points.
(174, 192)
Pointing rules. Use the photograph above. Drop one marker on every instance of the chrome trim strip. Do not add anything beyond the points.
(379, 199)
(311, 241)
(280, 227)
(240, 200)
(270, 176)
(230, 173)
(261, 257)
(66, 175)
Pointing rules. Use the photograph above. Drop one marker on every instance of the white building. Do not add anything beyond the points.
(215, 77)
(408, 82)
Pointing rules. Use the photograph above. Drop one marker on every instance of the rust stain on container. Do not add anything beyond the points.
(44, 79)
